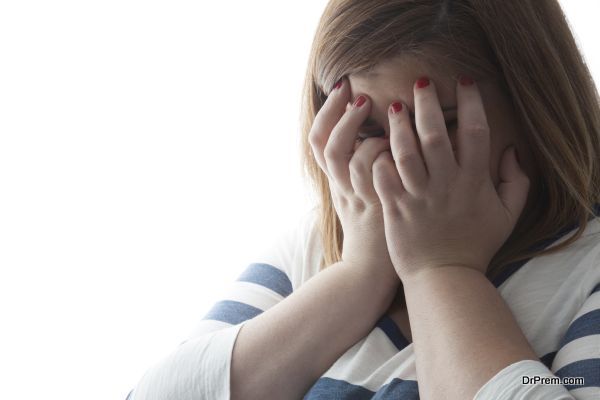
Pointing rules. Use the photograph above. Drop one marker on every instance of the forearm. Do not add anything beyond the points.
(281, 352)
(463, 331)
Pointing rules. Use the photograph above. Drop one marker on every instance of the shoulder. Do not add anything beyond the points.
(575, 267)
(294, 248)
(548, 290)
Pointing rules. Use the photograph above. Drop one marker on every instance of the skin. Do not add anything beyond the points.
(446, 212)
(393, 80)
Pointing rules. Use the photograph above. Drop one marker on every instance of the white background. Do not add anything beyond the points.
(147, 150)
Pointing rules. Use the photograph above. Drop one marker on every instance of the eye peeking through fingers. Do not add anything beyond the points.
(451, 124)
(367, 133)
(364, 134)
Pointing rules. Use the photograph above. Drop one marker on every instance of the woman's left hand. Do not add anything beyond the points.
(442, 210)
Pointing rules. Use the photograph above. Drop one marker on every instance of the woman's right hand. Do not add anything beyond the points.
(348, 165)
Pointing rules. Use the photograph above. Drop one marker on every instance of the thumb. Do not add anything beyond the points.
(514, 183)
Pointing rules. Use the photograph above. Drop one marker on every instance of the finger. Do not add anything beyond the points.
(433, 135)
(361, 167)
(387, 182)
(340, 147)
(405, 149)
(473, 133)
(514, 184)
(327, 116)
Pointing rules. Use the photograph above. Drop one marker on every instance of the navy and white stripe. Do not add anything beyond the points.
(266, 276)
(381, 365)
(579, 350)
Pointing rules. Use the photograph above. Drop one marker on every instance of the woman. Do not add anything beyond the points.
(453, 253)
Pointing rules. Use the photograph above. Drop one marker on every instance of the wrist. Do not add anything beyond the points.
(376, 281)
(446, 273)
(385, 275)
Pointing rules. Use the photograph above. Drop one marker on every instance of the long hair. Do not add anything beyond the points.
(526, 46)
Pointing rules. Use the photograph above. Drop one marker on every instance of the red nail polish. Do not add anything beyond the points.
(338, 84)
(396, 107)
(422, 82)
(465, 80)
(360, 101)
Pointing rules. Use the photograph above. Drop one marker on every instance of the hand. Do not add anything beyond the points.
(442, 210)
(348, 165)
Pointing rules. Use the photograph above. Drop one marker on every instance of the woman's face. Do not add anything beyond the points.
(394, 80)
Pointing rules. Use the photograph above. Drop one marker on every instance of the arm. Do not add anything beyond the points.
(462, 330)
(578, 355)
(445, 217)
(458, 318)
(200, 367)
(282, 352)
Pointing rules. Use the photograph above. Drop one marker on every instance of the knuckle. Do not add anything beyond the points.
(392, 209)
(330, 152)
(315, 138)
(477, 129)
(381, 170)
(342, 200)
(379, 178)
(312, 137)
(381, 181)
(476, 178)
(355, 204)
(357, 174)
(356, 164)
(405, 159)
(379, 162)
(434, 141)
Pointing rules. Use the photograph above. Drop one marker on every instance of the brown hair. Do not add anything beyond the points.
(524, 45)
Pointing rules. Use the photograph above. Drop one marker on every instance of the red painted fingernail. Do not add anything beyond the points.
(422, 82)
(396, 107)
(465, 80)
(360, 101)
(338, 84)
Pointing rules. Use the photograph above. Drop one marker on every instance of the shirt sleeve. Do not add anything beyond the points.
(199, 368)
(578, 356)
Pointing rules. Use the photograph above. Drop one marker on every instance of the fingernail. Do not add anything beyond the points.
(360, 101)
(422, 82)
(396, 107)
(338, 84)
(466, 80)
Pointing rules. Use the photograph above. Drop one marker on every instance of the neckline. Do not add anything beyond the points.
(508, 271)
(392, 330)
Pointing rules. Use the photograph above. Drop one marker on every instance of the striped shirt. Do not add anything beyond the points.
(555, 299)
